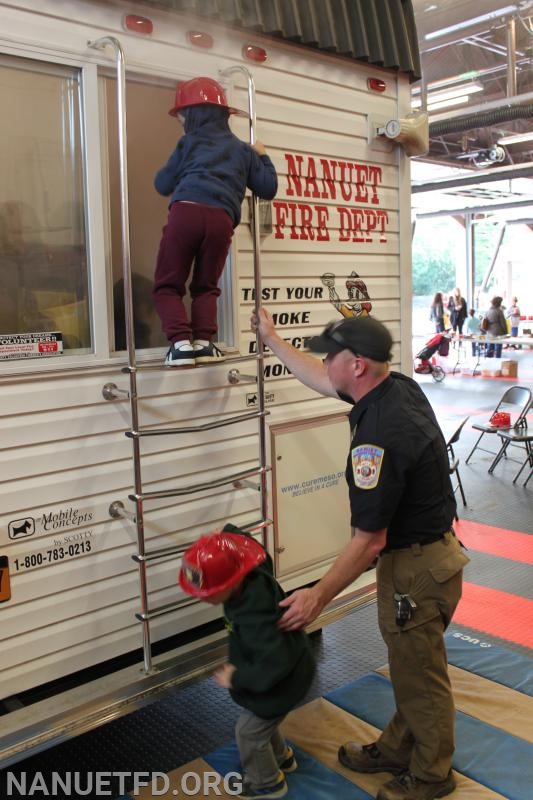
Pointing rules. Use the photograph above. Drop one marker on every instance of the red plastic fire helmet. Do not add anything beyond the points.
(200, 91)
(217, 562)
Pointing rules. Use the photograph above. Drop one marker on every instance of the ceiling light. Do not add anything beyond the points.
(456, 91)
(451, 101)
(453, 91)
(516, 138)
(455, 95)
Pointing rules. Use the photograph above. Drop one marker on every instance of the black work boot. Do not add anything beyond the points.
(368, 758)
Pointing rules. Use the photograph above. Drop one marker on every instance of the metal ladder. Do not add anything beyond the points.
(136, 432)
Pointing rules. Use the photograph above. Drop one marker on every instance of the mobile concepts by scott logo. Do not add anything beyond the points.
(64, 519)
(21, 528)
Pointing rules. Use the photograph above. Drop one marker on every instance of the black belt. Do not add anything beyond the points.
(404, 545)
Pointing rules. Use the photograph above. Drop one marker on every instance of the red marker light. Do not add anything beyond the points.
(132, 22)
(254, 53)
(376, 84)
(200, 39)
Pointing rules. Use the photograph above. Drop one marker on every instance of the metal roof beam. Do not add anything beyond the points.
(454, 212)
(485, 176)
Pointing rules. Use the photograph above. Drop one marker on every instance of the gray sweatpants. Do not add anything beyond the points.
(261, 746)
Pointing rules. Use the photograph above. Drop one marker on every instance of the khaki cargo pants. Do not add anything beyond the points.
(421, 732)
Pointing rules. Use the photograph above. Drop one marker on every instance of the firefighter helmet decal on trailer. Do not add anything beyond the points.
(358, 303)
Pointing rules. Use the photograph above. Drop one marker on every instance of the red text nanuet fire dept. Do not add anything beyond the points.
(329, 179)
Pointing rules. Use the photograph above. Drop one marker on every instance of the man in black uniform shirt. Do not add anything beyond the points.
(402, 508)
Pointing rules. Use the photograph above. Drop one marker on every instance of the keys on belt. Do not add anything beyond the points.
(404, 607)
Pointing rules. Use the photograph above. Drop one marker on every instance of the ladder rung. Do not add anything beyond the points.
(199, 487)
(257, 525)
(158, 611)
(161, 552)
(163, 367)
(176, 549)
(207, 426)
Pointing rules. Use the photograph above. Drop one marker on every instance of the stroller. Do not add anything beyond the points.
(441, 343)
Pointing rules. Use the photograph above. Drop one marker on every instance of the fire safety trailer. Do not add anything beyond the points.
(112, 463)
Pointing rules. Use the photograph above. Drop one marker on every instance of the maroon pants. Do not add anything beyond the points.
(196, 235)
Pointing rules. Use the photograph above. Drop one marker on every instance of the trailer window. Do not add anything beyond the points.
(43, 264)
(151, 136)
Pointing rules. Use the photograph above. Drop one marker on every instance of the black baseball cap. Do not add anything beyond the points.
(364, 336)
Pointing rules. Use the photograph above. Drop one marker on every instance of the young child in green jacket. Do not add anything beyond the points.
(269, 670)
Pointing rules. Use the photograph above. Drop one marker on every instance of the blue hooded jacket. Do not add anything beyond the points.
(212, 166)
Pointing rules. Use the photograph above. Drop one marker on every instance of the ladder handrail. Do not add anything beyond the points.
(256, 249)
(101, 44)
(135, 433)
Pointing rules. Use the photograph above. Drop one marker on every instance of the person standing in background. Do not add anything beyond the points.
(436, 313)
(513, 314)
(473, 328)
(457, 310)
(496, 326)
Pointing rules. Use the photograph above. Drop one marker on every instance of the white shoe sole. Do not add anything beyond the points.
(182, 362)
(210, 359)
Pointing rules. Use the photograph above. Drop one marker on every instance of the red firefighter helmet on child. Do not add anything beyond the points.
(201, 91)
(217, 562)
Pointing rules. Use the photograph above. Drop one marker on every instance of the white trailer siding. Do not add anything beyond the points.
(65, 458)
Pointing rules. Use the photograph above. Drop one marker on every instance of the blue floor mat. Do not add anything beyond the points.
(311, 780)
(492, 662)
(484, 753)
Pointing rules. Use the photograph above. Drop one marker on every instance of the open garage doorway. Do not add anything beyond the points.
(475, 237)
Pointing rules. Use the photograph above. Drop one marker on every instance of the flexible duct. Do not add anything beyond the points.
(482, 120)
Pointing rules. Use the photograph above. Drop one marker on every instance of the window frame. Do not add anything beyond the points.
(227, 312)
(95, 196)
(94, 230)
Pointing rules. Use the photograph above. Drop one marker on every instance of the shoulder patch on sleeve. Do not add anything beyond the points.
(366, 465)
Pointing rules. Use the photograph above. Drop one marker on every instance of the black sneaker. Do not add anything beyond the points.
(289, 763)
(180, 356)
(208, 354)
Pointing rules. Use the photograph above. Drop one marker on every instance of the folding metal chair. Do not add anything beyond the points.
(454, 462)
(516, 400)
(516, 437)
